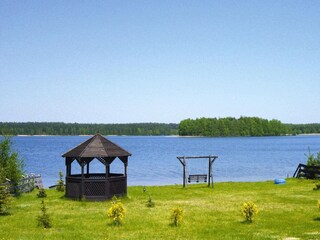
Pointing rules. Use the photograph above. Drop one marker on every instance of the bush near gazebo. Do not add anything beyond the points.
(60, 186)
(116, 212)
(313, 160)
(4, 200)
(11, 165)
(44, 218)
(42, 193)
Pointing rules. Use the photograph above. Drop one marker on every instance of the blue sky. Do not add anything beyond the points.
(159, 61)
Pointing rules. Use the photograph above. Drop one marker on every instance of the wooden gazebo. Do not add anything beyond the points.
(95, 186)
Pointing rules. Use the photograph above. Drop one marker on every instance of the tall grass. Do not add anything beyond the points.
(286, 211)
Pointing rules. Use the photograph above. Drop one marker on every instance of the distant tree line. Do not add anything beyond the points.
(57, 128)
(304, 128)
(211, 127)
(244, 126)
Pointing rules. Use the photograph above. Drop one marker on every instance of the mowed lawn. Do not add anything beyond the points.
(288, 211)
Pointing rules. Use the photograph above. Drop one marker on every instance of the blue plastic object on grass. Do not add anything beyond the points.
(279, 181)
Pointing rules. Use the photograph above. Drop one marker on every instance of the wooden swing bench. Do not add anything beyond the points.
(197, 178)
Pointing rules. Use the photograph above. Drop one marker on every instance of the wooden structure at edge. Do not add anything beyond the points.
(309, 172)
(95, 186)
(183, 161)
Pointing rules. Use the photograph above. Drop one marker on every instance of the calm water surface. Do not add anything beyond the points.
(154, 161)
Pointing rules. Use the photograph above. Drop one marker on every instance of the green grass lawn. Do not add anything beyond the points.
(288, 211)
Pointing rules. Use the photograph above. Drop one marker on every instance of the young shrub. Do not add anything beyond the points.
(249, 210)
(176, 216)
(60, 185)
(42, 193)
(317, 187)
(150, 202)
(116, 212)
(4, 200)
(11, 165)
(312, 160)
(44, 219)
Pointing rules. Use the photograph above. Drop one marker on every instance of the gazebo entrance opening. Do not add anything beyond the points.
(92, 185)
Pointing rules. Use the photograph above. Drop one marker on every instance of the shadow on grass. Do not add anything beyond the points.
(173, 225)
(246, 222)
(198, 185)
(5, 214)
(114, 225)
(64, 197)
(317, 219)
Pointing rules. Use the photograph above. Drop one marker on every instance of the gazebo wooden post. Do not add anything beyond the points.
(88, 167)
(125, 163)
(125, 169)
(107, 170)
(125, 175)
(68, 172)
(68, 169)
(68, 166)
(82, 179)
(107, 182)
(107, 164)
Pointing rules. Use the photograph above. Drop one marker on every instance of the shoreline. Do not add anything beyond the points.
(180, 183)
(177, 136)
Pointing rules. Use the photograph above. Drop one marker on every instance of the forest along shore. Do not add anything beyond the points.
(208, 127)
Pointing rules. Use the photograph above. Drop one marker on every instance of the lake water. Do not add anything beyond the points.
(154, 161)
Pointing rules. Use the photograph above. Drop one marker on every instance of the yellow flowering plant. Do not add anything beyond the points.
(176, 216)
(249, 210)
(116, 212)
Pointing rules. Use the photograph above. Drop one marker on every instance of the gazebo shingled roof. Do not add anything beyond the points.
(97, 146)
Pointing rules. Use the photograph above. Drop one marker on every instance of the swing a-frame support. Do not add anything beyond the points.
(197, 178)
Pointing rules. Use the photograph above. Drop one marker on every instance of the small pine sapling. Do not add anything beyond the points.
(44, 219)
(4, 200)
(311, 159)
(317, 187)
(176, 216)
(42, 193)
(150, 202)
(60, 186)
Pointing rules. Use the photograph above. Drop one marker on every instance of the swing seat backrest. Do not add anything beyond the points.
(197, 178)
